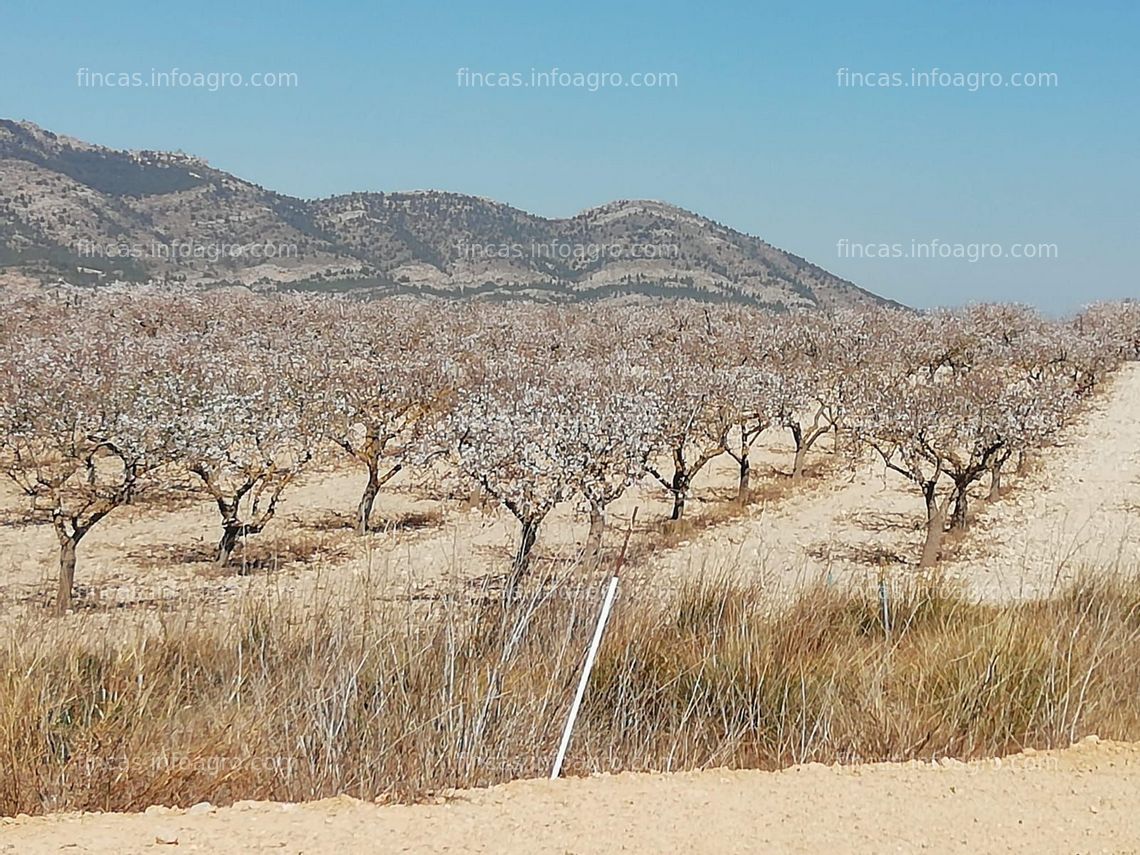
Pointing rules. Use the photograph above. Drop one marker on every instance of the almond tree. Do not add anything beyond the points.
(1031, 413)
(609, 434)
(1099, 340)
(981, 398)
(694, 430)
(758, 396)
(255, 420)
(694, 387)
(1051, 367)
(911, 428)
(822, 360)
(382, 382)
(1085, 360)
(985, 333)
(1113, 328)
(510, 437)
(86, 413)
(738, 355)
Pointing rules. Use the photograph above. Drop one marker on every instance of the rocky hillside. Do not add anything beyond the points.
(81, 212)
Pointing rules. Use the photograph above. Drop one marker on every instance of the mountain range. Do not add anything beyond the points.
(83, 213)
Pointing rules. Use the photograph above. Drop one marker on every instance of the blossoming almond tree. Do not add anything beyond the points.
(1032, 412)
(610, 430)
(382, 380)
(691, 381)
(1115, 327)
(954, 427)
(254, 424)
(911, 425)
(511, 437)
(753, 392)
(823, 360)
(87, 414)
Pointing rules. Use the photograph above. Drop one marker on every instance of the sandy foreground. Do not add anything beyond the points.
(1082, 799)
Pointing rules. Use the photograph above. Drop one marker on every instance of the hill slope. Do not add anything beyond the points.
(81, 211)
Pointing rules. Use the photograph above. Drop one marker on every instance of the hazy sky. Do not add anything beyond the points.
(754, 123)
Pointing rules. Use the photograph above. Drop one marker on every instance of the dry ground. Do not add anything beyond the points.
(1082, 799)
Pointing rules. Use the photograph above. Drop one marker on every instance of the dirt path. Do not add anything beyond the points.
(1078, 508)
(1082, 799)
(844, 526)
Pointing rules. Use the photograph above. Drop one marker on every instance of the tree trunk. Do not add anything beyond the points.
(804, 443)
(367, 500)
(231, 531)
(801, 452)
(1022, 462)
(798, 464)
(995, 479)
(522, 558)
(593, 553)
(958, 521)
(933, 544)
(935, 527)
(745, 477)
(67, 545)
(678, 507)
(680, 488)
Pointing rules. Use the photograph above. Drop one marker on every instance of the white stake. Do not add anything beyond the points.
(569, 729)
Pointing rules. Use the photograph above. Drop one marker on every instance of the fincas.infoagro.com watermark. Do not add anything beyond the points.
(563, 251)
(936, 78)
(184, 250)
(176, 78)
(556, 78)
(939, 249)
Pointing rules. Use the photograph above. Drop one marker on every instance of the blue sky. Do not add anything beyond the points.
(757, 132)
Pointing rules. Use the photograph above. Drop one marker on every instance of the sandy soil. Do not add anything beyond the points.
(1082, 799)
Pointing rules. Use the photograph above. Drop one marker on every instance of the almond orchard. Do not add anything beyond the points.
(107, 394)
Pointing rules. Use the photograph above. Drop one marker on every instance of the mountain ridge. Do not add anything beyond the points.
(75, 210)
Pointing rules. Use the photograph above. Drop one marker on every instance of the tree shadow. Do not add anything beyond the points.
(333, 521)
(23, 518)
(884, 521)
(252, 555)
(866, 554)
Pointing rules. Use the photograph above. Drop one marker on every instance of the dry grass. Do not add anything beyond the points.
(291, 699)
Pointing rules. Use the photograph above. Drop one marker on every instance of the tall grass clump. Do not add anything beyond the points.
(291, 699)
